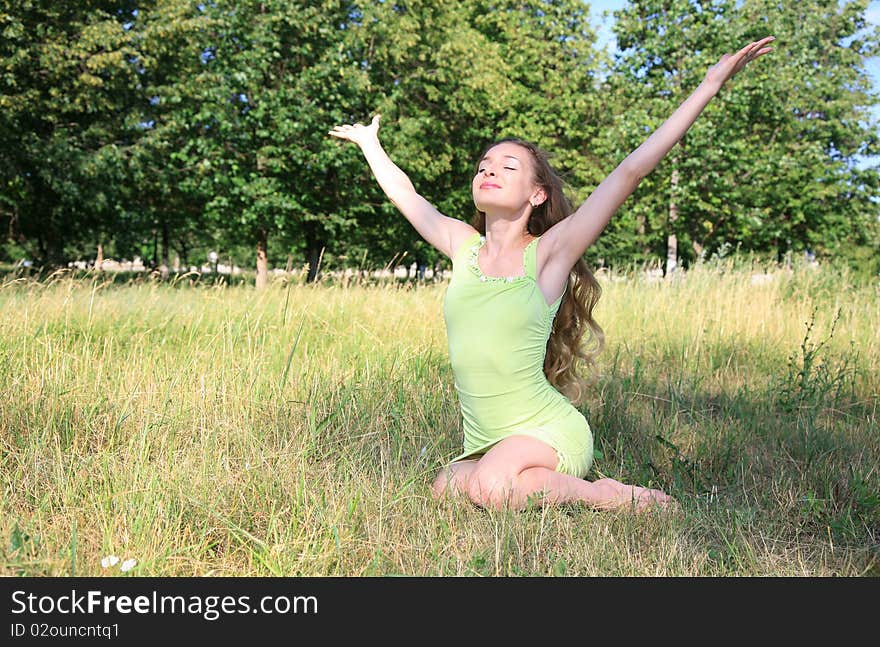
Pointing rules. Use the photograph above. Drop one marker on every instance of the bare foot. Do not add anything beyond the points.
(617, 496)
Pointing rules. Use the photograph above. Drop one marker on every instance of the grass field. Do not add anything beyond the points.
(296, 431)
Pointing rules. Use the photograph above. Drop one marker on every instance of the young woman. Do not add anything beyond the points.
(520, 300)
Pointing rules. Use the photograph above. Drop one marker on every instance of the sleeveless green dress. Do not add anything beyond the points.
(497, 328)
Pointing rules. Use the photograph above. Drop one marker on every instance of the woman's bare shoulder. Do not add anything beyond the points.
(458, 234)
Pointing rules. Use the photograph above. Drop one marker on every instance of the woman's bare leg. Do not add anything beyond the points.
(453, 479)
(521, 469)
(548, 486)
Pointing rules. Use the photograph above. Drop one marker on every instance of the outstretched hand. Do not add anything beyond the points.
(729, 64)
(357, 133)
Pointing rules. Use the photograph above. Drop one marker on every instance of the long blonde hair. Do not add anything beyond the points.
(582, 291)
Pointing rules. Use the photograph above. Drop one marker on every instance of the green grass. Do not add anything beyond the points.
(220, 431)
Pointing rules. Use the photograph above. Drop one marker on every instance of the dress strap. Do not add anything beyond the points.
(466, 245)
(530, 259)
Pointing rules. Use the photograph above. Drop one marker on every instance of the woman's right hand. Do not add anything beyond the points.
(358, 133)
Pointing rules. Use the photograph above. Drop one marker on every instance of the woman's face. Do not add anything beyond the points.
(504, 179)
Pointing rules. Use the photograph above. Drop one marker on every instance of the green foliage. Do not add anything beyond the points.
(813, 382)
(67, 74)
(453, 77)
(770, 162)
(174, 128)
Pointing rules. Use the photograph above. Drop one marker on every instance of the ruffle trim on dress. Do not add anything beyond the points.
(473, 254)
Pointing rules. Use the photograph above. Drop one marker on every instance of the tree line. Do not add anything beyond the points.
(170, 128)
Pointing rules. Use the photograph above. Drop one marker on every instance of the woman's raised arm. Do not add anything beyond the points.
(438, 230)
(573, 235)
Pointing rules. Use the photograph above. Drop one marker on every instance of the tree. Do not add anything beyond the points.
(67, 73)
(169, 202)
(667, 46)
(769, 163)
(274, 75)
(450, 78)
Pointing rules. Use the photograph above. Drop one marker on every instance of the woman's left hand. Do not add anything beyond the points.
(729, 65)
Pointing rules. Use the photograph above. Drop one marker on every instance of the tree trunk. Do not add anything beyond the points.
(314, 251)
(163, 268)
(184, 254)
(641, 227)
(262, 260)
(315, 255)
(99, 259)
(671, 240)
(155, 248)
(43, 253)
(51, 250)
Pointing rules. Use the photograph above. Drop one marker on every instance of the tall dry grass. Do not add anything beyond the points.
(221, 431)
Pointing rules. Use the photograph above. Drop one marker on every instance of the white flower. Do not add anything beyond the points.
(110, 560)
(128, 564)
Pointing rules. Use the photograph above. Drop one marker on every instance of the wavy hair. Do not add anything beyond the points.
(574, 318)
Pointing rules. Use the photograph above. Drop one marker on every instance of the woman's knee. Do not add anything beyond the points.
(489, 489)
(441, 483)
(452, 479)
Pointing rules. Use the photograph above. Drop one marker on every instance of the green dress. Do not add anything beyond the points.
(497, 328)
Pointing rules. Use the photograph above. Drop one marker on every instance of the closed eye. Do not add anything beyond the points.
(509, 168)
